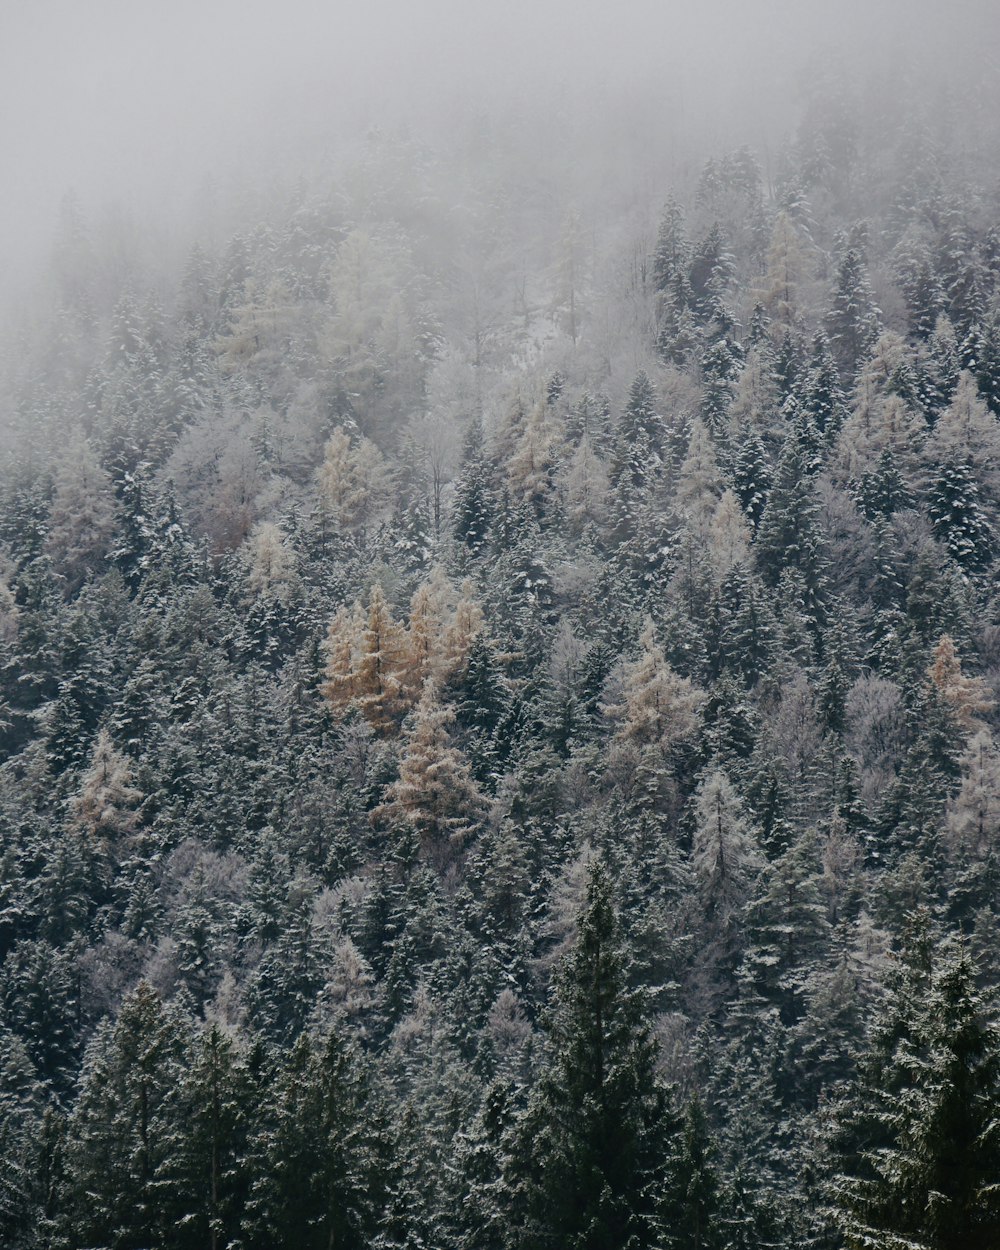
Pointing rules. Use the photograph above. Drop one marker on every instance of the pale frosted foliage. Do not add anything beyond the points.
(787, 269)
(974, 812)
(343, 651)
(724, 855)
(584, 488)
(700, 483)
(365, 277)
(441, 631)
(659, 707)
(354, 482)
(348, 993)
(82, 514)
(430, 608)
(227, 1009)
(756, 399)
(566, 901)
(967, 697)
(889, 357)
(968, 431)
(793, 730)
(876, 723)
(261, 329)
(9, 611)
(466, 624)
(507, 1024)
(728, 536)
(272, 563)
(529, 470)
(876, 424)
(570, 275)
(105, 805)
(566, 657)
(436, 448)
(435, 791)
(842, 861)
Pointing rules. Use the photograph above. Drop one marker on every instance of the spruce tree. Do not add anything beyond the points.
(590, 1161)
(920, 1158)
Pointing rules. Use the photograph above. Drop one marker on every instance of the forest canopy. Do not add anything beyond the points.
(499, 663)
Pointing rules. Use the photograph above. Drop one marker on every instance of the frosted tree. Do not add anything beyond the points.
(787, 270)
(367, 664)
(531, 464)
(271, 562)
(728, 536)
(659, 707)
(968, 433)
(430, 608)
(466, 625)
(343, 649)
(82, 516)
(974, 812)
(853, 319)
(724, 855)
(354, 483)
(435, 791)
(584, 485)
(968, 698)
(378, 689)
(699, 484)
(105, 806)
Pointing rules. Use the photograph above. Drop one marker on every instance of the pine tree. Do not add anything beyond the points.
(788, 534)
(924, 1158)
(321, 1182)
(122, 1126)
(589, 1162)
(959, 519)
(853, 318)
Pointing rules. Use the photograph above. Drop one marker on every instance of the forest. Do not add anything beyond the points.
(499, 664)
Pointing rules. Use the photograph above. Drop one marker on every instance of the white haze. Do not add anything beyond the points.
(145, 104)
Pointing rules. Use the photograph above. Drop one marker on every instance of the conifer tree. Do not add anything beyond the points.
(121, 1129)
(589, 1164)
(923, 1162)
(321, 1181)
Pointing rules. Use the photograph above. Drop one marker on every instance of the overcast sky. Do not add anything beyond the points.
(137, 100)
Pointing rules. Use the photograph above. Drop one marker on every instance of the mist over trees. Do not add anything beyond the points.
(499, 648)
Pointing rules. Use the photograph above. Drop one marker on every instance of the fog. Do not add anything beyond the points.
(143, 105)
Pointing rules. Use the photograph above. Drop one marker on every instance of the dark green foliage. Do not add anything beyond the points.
(594, 1138)
(916, 1138)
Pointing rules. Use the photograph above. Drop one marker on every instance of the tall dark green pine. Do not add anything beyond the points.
(640, 420)
(694, 1211)
(852, 321)
(919, 1153)
(959, 518)
(823, 397)
(590, 1164)
(320, 1183)
(207, 1169)
(788, 533)
(752, 476)
(121, 1129)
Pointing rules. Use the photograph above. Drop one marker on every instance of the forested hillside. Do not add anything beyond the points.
(498, 671)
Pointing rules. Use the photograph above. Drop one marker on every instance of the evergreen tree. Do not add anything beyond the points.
(321, 1180)
(590, 1158)
(121, 1130)
(924, 1157)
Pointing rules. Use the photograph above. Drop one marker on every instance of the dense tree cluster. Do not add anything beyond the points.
(498, 740)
